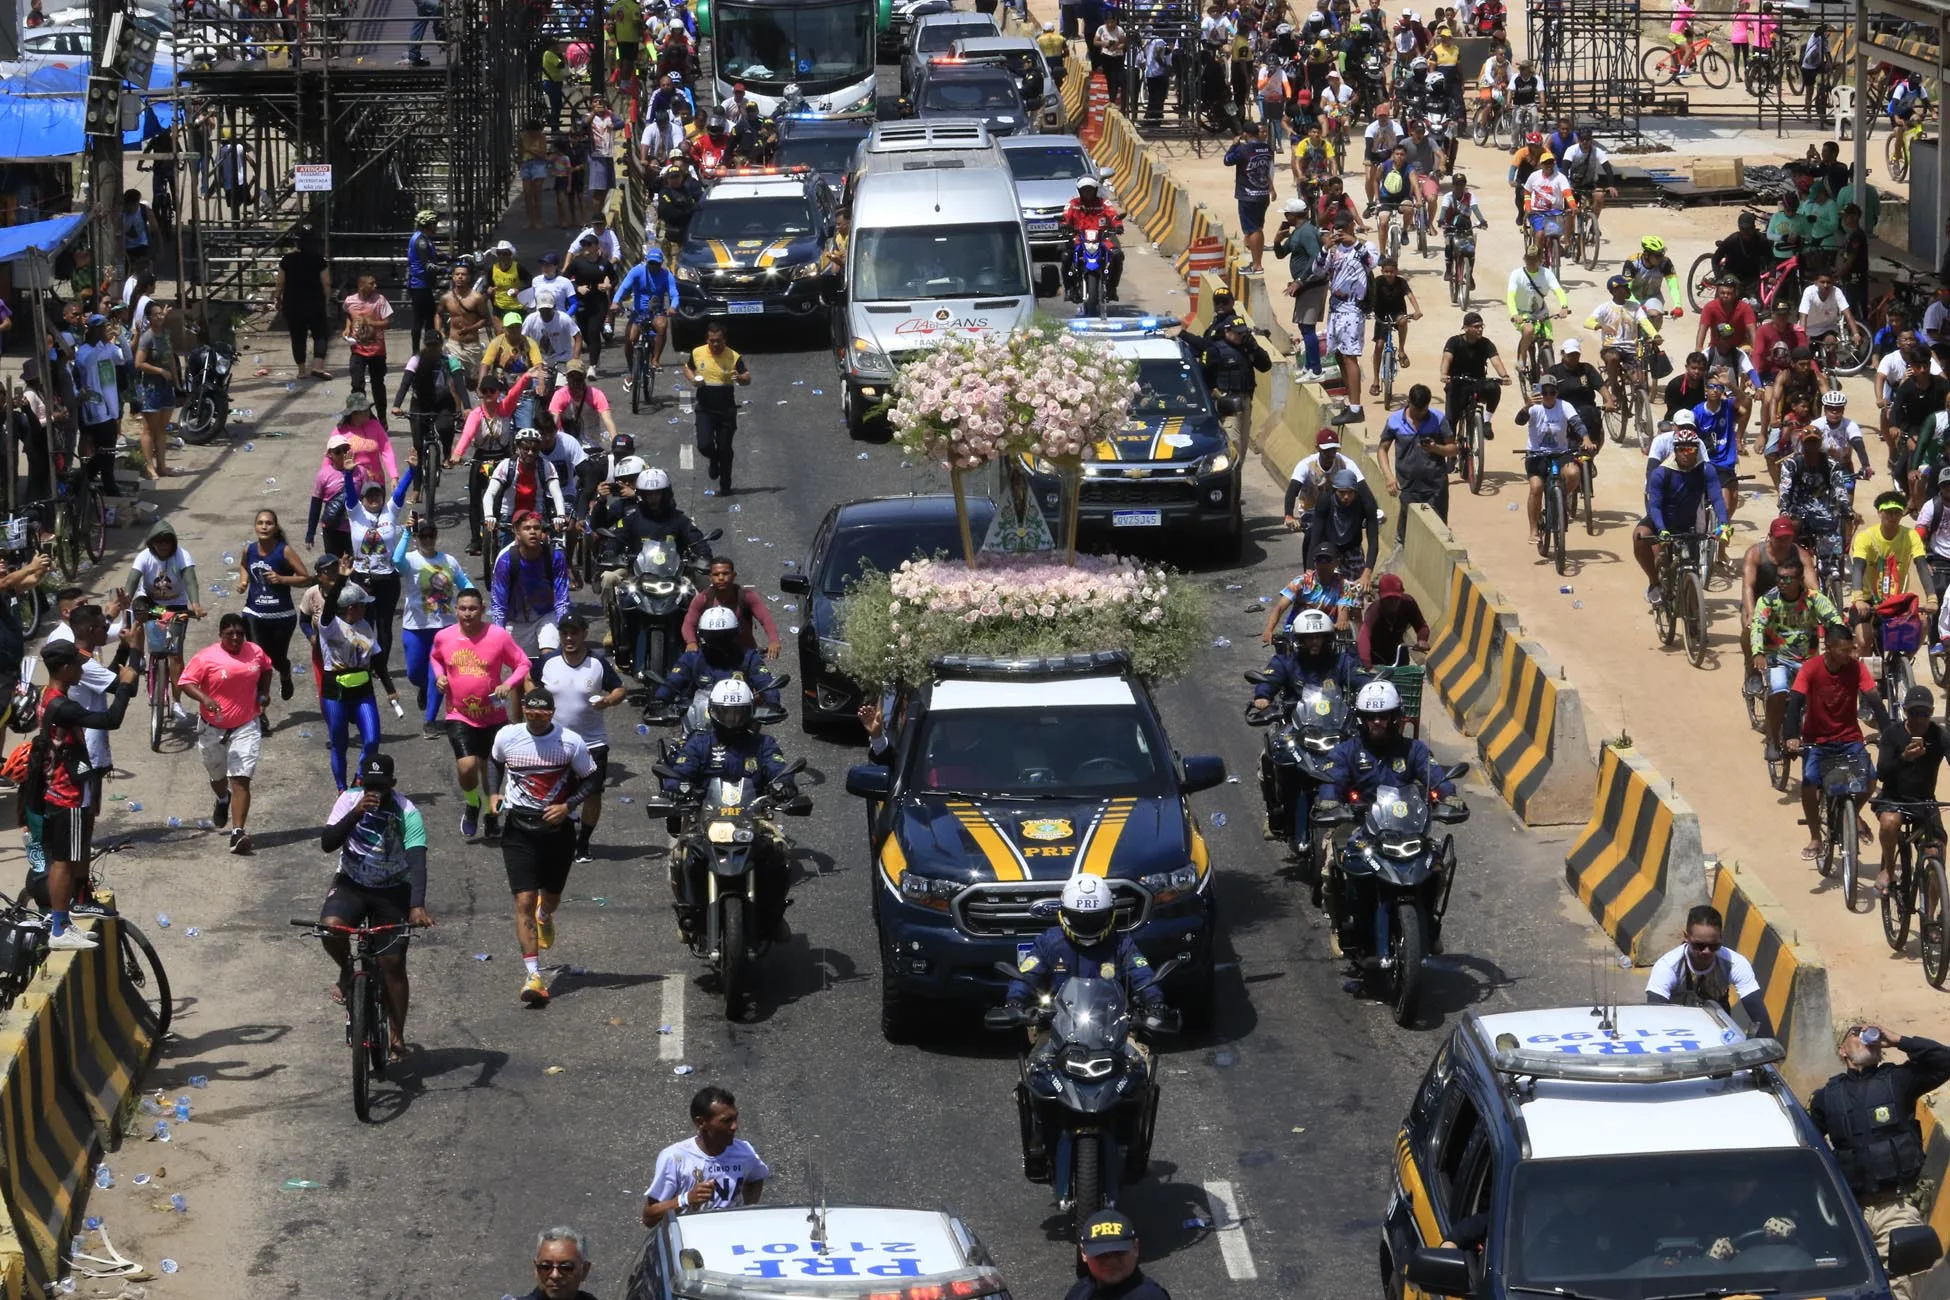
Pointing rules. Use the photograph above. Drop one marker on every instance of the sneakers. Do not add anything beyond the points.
(1772, 752)
(93, 907)
(220, 813)
(1350, 415)
(534, 992)
(582, 856)
(240, 842)
(544, 929)
(1652, 594)
(72, 940)
(470, 822)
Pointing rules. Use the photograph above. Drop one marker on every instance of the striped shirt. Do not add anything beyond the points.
(542, 770)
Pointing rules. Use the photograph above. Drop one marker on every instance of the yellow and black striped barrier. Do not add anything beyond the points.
(109, 1031)
(1637, 865)
(13, 1266)
(47, 1137)
(1533, 744)
(1793, 978)
(1463, 649)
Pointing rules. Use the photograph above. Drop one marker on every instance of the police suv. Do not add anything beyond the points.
(1622, 1153)
(753, 248)
(1005, 778)
(1173, 468)
(764, 1252)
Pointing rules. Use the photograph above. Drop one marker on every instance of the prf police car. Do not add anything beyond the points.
(1622, 1153)
(753, 248)
(760, 1252)
(1005, 778)
(1173, 466)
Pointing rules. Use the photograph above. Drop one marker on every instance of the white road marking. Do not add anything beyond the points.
(670, 1046)
(1231, 1233)
(684, 458)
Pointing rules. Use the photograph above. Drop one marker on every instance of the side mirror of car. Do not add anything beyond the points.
(1049, 280)
(1229, 404)
(1439, 1270)
(1201, 772)
(869, 780)
(795, 584)
(1913, 1249)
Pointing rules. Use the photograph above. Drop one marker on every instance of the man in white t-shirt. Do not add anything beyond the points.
(1314, 473)
(585, 685)
(713, 1170)
(1702, 971)
(1823, 309)
(554, 331)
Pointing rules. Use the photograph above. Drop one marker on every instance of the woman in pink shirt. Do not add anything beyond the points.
(1739, 32)
(372, 447)
(366, 314)
(231, 682)
(328, 504)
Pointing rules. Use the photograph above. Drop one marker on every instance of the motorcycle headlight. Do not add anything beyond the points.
(927, 891)
(1167, 885)
(1218, 464)
(1080, 1064)
(1407, 847)
(661, 587)
(869, 362)
(1318, 743)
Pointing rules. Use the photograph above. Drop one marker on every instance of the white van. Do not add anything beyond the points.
(933, 253)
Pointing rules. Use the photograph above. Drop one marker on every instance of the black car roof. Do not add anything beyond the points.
(922, 507)
(856, 127)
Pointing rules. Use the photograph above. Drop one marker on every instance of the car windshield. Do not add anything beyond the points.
(1636, 1227)
(940, 262)
(1170, 387)
(935, 38)
(884, 549)
(1059, 163)
(965, 94)
(766, 219)
(1032, 752)
(821, 47)
(825, 154)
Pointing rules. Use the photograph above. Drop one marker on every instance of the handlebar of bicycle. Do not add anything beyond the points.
(335, 927)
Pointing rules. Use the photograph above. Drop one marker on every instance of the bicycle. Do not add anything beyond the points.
(1472, 443)
(1462, 272)
(1631, 395)
(1384, 335)
(643, 375)
(1896, 151)
(1843, 785)
(1681, 610)
(1392, 235)
(1543, 355)
(173, 625)
(365, 1023)
(76, 519)
(1772, 70)
(1785, 277)
(142, 968)
(1664, 66)
(1917, 888)
(1907, 290)
(1550, 536)
(1492, 127)
(430, 457)
(1586, 238)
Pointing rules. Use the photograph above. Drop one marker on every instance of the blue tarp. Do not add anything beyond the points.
(33, 127)
(48, 236)
(72, 79)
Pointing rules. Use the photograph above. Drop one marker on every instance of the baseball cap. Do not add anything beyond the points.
(1107, 1232)
(1784, 526)
(551, 258)
(336, 441)
(60, 654)
(353, 594)
(1891, 501)
(544, 298)
(1327, 438)
(1326, 551)
(1917, 699)
(98, 319)
(576, 367)
(511, 318)
(504, 247)
(538, 697)
(1390, 584)
(1684, 420)
(1571, 345)
(376, 771)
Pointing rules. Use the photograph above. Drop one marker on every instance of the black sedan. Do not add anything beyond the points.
(880, 534)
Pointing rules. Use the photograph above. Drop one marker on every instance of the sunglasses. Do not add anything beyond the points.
(1704, 945)
(557, 1265)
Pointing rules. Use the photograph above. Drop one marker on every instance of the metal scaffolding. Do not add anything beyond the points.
(409, 112)
(1588, 53)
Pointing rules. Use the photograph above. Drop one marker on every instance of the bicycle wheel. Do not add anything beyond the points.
(1825, 861)
(1851, 349)
(1642, 419)
(1594, 242)
(1756, 77)
(91, 522)
(359, 1003)
(1896, 152)
(1701, 280)
(1714, 69)
(1665, 614)
(1387, 369)
(1421, 233)
(1456, 292)
(1896, 903)
(158, 702)
(1617, 420)
(1692, 613)
(1658, 66)
(1554, 520)
(1931, 942)
(636, 376)
(1473, 449)
(67, 540)
(1792, 79)
(143, 969)
(1847, 855)
(1587, 491)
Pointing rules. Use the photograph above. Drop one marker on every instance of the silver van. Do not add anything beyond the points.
(934, 253)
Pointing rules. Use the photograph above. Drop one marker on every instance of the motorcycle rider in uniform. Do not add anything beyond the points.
(1086, 212)
(718, 657)
(655, 519)
(734, 747)
(1309, 658)
(1868, 1114)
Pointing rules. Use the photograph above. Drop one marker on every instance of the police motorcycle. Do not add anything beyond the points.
(646, 609)
(1295, 763)
(1090, 255)
(714, 865)
(695, 716)
(1087, 1096)
(206, 381)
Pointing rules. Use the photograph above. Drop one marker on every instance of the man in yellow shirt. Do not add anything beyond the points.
(716, 372)
(510, 353)
(1880, 564)
(1056, 53)
(626, 25)
(554, 69)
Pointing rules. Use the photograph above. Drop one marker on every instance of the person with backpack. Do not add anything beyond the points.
(57, 791)
(1350, 271)
(438, 385)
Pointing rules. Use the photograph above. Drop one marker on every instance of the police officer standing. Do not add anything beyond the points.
(1868, 1113)
(1110, 1260)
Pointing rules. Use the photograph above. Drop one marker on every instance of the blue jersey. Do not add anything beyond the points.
(704, 756)
(1056, 957)
(1723, 447)
(1673, 495)
(693, 672)
(421, 261)
(646, 291)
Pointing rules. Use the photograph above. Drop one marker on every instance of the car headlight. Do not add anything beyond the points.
(686, 274)
(869, 361)
(1041, 466)
(1167, 885)
(805, 271)
(831, 647)
(927, 891)
(1218, 464)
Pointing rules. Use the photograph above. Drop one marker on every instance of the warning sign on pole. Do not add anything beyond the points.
(312, 178)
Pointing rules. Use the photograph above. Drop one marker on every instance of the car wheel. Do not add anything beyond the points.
(1197, 1008)
(896, 1011)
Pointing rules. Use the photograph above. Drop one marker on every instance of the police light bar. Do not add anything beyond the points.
(986, 666)
(698, 1283)
(1121, 325)
(1598, 1065)
(795, 169)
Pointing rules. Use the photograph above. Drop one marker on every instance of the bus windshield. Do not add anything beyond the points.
(821, 47)
(985, 260)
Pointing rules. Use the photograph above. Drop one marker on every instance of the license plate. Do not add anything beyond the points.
(1022, 952)
(746, 308)
(1136, 519)
(1042, 227)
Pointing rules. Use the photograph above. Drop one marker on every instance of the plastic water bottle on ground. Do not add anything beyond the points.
(162, 919)
(104, 1178)
(182, 1110)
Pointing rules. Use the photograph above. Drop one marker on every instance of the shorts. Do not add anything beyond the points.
(1546, 222)
(1427, 186)
(534, 169)
(64, 834)
(101, 435)
(1252, 215)
(1780, 674)
(468, 354)
(470, 741)
(230, 753)
(537, 856)
(350, 903)
(1814, 757)
(1537, 464)
(1347, 330)
(535, 636)
(599, 754)
(154, 395)
(602, 175)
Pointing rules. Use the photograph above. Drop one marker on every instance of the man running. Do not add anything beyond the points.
(585, 685)
(550, 774)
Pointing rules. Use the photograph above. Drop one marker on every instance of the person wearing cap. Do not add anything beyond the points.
(464, 316)
(1674, 490)
(98, 364)
(1578, 385)
(1715, 418)
(580, 410)
(1815, 491)
(231, 684)
(377, 532)
(505, 278)
(511, 354)
(380, 880)
(551, 282)
(594, 278)
(346, 645)
(1387, 623)
(423, 268)
(1085, 214)
(1313, 473)
(1704, 971)
(1349, 265)
(648, 291)
(553, 329)
(1882, 559)
(1909, 754)
(1556, 434)
(1055, 51)
(1760, 566)
(1322, 587)
(371, 444)
(1298, 240)
(550, 774)
(164, 573)
(431, 581)
(1787, 618)
(367, 313)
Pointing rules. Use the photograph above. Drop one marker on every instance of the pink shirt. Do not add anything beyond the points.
(372, 451)
(230, 681)
(366, 321)
(473, 669)
(1682, 14)
(329, 483)
(593, 399)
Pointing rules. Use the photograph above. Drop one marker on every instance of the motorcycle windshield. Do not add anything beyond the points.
(656, 559)
(698, 716)
(1399, 810)
(1091, 1014)
(724, 797)
(1321, 708)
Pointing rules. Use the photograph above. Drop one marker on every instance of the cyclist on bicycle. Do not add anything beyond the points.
(1466, 361)
(1815, 491)
(1528, 298)
(1716, 419)
(438, 385)
(648, 291)
(1322, 587)
(1342, 518)
(1578, 385)
(1929, 525)
(1727, 308)
(1588, 168)
(526, 481)
(1623, 325)
(1493, 89)
(510, 354)
(1547, 203)
(1311, 475)
(1909, 754)
(165, 573)
(1652, 276)
(1673, 493)
(1787, 617)
(381, 880)
(1829, 690)
(1824, 313)
(1553, 426)
(1453, 216)
(1378, 143)
(1394, 306)
(1760, 567)
(1523, 165)
(1882, 559)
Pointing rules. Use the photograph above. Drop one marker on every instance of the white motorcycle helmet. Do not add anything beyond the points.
(1379, 703)
(652, 480)
(731, 705)
(628, 469)
(1312, 623)
(1088, 914)
(717, 629)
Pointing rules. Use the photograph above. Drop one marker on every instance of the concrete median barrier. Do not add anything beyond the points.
(1533, 743)
(13, 1266)
(1429, 553)
(108, 1032)
(47, 1137)
(1637, 865)
(1465, 645)
(1793, 978)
